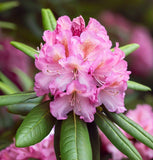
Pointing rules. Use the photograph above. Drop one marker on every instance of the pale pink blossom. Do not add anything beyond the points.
(128, 32)
(143, 56)
(79, 69)
(143, 115)
(77, 99)
(43, 150)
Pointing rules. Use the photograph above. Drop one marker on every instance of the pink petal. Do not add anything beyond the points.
(60, 83)
(64, 38)
(63, 23)
(71, 63)
(49, 37)
(95, 26)
(74, 48)
(80, 101)
(75, 86)
(55, 53)
(85, 109)
(89, 45)
(60, 107)
(113, 100)
(78, 25)
(88, 81)
(92, 45)
(103, 64)
(42, 83)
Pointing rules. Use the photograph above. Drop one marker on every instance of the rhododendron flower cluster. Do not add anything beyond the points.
(43, 150)
(142, 115)
(78, 67)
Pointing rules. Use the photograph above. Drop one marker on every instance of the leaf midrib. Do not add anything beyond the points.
(34, 126)
(116, 133)
(136, 127)
(75, 128)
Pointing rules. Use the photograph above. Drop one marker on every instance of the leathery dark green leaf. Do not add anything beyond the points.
(31, 52)
(48, 19)
(132, 128)
(35, 127)
(116, 137)
(57, 139)
(16, 98)
(129, 48)
(25, 107)
(74, 139)
(137, 86)
(94, 139)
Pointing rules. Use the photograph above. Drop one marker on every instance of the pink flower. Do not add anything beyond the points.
(143, 56)
(129, 32)
(42, 151)
(77, 99)
(143, 115)
(77, 67)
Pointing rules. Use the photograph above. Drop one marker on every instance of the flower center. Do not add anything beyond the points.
(75, 72)
(75, 101)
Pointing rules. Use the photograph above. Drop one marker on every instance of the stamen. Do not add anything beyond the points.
(100, 82)
(75, 72)
(75, 101)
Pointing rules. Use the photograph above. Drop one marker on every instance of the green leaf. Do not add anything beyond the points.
(7, 25)
(8, 5)
(22, 108)
(74, 139)
(95, 141)
(6, 89)
(25, 48)
(25, 80)
(137, 86)
(26, 107)
(8, 82)
(16, 98)
(35, 127)
(132, 128)
(128, 49)
(116, 137)
(48, 19)
(57, 139)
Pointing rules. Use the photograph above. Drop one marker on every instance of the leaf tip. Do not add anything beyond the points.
(136, 45)
(12, 43)
(17, 141)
